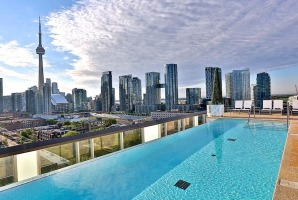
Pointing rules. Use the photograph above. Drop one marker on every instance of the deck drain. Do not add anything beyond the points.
(213, 155)
(182, 184)
(232, 139)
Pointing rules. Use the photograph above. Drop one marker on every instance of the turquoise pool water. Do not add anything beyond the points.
(244, 168)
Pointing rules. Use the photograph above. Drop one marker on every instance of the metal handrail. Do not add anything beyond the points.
(248, 119)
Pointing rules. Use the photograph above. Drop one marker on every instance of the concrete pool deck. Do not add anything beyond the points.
(286, 186)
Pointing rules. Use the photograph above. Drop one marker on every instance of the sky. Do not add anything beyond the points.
(84, 38)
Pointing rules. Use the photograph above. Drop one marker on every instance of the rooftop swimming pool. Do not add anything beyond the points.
(223, 159)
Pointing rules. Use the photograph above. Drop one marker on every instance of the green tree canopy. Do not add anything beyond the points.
(70, 133)
(66, 123)
(217, 90)
(26, 132)
(51, 121)
(109, 122)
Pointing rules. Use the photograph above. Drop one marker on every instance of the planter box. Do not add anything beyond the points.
(215, 110)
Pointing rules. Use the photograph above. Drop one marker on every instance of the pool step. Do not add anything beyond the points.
(182, 184)
(290, 184)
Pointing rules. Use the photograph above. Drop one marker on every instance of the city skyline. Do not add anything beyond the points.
(78, 52)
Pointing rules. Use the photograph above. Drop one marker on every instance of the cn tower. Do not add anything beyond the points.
(40, 51)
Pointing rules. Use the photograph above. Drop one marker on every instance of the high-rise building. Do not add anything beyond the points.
(79, 98)
(240, 85)
(48, 81)
(152, 90)
(47, 106)
(1, 95)
(106, 91)
(209, 75)
(193, 96)
(137, 91)
(263, 88)
(171, 85)
(30, 101)
(229, 85)
(125, 93)
(40, 51)
(253, 93)
(55, 89)
(98, 103)
(16, 102)
(113, 97)
(38, 101)
(7, 103)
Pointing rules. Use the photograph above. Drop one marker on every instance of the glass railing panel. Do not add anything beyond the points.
(163, 129)
(57, 157)
(201, 119)
(132, 138)
(173, 127)
(6, 170)
(106, 144)
(188, 123)
(85, 150)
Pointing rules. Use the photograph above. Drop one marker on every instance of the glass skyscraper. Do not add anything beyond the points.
(193, 96)
(107, 91)
(263, 88)
(47, 104)
(239, 85)
(80, 100)
(171, 85)
(125, 93)
(30, 101)
(16, 102)
(152, 88)
(209, 75)
(55, 89)
(137, 91)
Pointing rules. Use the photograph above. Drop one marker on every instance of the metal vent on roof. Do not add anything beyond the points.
(182, 184)
(232, 139)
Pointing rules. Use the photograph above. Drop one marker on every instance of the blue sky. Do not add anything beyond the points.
(84, 38)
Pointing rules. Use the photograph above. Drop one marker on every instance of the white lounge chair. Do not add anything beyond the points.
(238, 105)
(294, 106)
(278, 106)
(247, 105)
(267, 106)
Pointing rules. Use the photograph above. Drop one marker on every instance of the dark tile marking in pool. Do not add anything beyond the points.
(232, 139)
(182, 184)
(213, 155)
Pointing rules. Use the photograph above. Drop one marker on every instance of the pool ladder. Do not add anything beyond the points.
(248, 119)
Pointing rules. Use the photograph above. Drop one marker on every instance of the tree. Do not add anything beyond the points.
(217, 91)
(70, 133)
(51, 121)
(66, 123)
(109, 122)
(26, 133)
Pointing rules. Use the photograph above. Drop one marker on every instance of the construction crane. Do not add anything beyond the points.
(296, 90)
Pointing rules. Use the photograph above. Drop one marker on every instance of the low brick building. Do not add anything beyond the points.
(22, 123)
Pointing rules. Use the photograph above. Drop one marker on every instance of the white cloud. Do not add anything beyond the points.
(12, 54)
(134, 36)
(14, 74)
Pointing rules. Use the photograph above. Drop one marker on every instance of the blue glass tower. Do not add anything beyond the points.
(263, 88)
(171, 85)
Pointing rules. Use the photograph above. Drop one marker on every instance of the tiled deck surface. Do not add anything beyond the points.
(287, 189)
